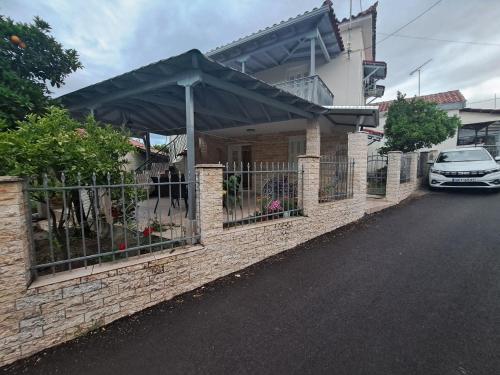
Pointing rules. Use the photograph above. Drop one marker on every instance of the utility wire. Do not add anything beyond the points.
(401, 27)
(481, 101)
(443, 40)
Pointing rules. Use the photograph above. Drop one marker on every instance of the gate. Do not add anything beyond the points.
(376, 178)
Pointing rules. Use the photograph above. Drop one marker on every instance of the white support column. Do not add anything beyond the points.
(312, 66)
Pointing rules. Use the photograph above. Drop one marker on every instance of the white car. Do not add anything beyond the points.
(471, 167)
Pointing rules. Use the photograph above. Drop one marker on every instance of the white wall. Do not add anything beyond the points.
(342, 75)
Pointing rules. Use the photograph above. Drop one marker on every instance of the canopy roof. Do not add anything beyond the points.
(285, 42)
(350, 115)
(152, 98)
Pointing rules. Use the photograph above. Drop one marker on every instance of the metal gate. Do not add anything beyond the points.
(376, 178)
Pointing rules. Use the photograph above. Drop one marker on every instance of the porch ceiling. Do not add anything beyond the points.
(152, 98)
(285, 42)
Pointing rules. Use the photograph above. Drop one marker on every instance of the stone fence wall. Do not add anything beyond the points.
(37, 314)
(397, 191)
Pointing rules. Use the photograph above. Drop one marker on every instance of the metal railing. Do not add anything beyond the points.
(257, 192)
(336, 178)
(376, 174)
(81, 222)
(494, 150)
(405, 175)
(310, 88)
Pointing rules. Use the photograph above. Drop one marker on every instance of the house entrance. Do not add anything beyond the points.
(242, 154)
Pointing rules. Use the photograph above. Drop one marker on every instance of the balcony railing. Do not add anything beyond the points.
(310, 88)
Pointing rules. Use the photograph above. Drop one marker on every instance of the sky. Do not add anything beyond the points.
(115, 36)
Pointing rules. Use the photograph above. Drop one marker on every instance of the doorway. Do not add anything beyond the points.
(241, 155)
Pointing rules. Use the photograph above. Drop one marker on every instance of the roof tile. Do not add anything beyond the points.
(448, 97)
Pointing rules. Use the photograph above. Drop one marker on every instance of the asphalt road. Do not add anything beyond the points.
(412, 290)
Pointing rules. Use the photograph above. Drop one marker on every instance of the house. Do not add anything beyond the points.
(479, 126)
(333, 66)
(297, 87)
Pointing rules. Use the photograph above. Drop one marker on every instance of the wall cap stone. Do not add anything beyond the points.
(10, 179)
(395, 152)
(209, 166)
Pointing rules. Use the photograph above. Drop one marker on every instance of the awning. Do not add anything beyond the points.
(152, 98)
(358, 116)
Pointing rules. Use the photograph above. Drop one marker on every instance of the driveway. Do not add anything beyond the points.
(414, 289)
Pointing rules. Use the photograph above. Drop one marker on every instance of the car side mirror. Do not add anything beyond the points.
(430, 162)
(497, 158)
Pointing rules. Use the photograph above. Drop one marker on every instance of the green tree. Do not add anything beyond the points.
(54, 143)
(31, 60)
(414, 123)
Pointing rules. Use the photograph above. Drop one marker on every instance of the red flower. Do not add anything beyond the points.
(147, 231)
(122, 246)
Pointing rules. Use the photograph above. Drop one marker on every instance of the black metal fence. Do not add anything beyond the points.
(81, 222)
(256, 192)
(336, 178)
(405, 175)
(376, 178)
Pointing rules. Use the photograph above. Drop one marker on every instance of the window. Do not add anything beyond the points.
(463, 155)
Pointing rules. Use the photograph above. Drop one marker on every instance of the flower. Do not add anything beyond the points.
(147, 231)
(274, 206)
(122, 246)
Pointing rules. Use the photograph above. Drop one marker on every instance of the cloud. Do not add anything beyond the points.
(115, 36)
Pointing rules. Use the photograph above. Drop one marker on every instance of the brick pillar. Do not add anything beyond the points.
(313, 137)
(209, 200)
(413, 167)
(357, 150)
(14, 260)
(308, 189)
(393, 176)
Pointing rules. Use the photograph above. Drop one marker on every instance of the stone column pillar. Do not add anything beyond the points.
(357, 150)
(413, 167)
(313, 137)
(393, 176)
(308, 189)
(14, 261)
(209, 202)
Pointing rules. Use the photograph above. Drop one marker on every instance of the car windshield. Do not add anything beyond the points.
(463, 155)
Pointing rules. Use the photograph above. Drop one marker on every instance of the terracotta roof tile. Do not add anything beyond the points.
(447, 97)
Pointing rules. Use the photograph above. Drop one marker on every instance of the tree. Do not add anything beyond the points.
(53, 144)
(30, 60)
(414, 123)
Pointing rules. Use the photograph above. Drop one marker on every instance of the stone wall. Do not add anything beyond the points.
(395, 190)
(53, 309)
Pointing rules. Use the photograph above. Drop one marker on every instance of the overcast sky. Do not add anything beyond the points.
(114, 36)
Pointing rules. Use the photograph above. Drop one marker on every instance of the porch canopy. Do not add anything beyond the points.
(359, 116)
(184, 93)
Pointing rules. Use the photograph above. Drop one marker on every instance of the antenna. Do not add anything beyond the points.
(418, 69)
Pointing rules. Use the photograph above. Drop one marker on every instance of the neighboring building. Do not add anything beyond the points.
(450, 101)
(479, 126)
